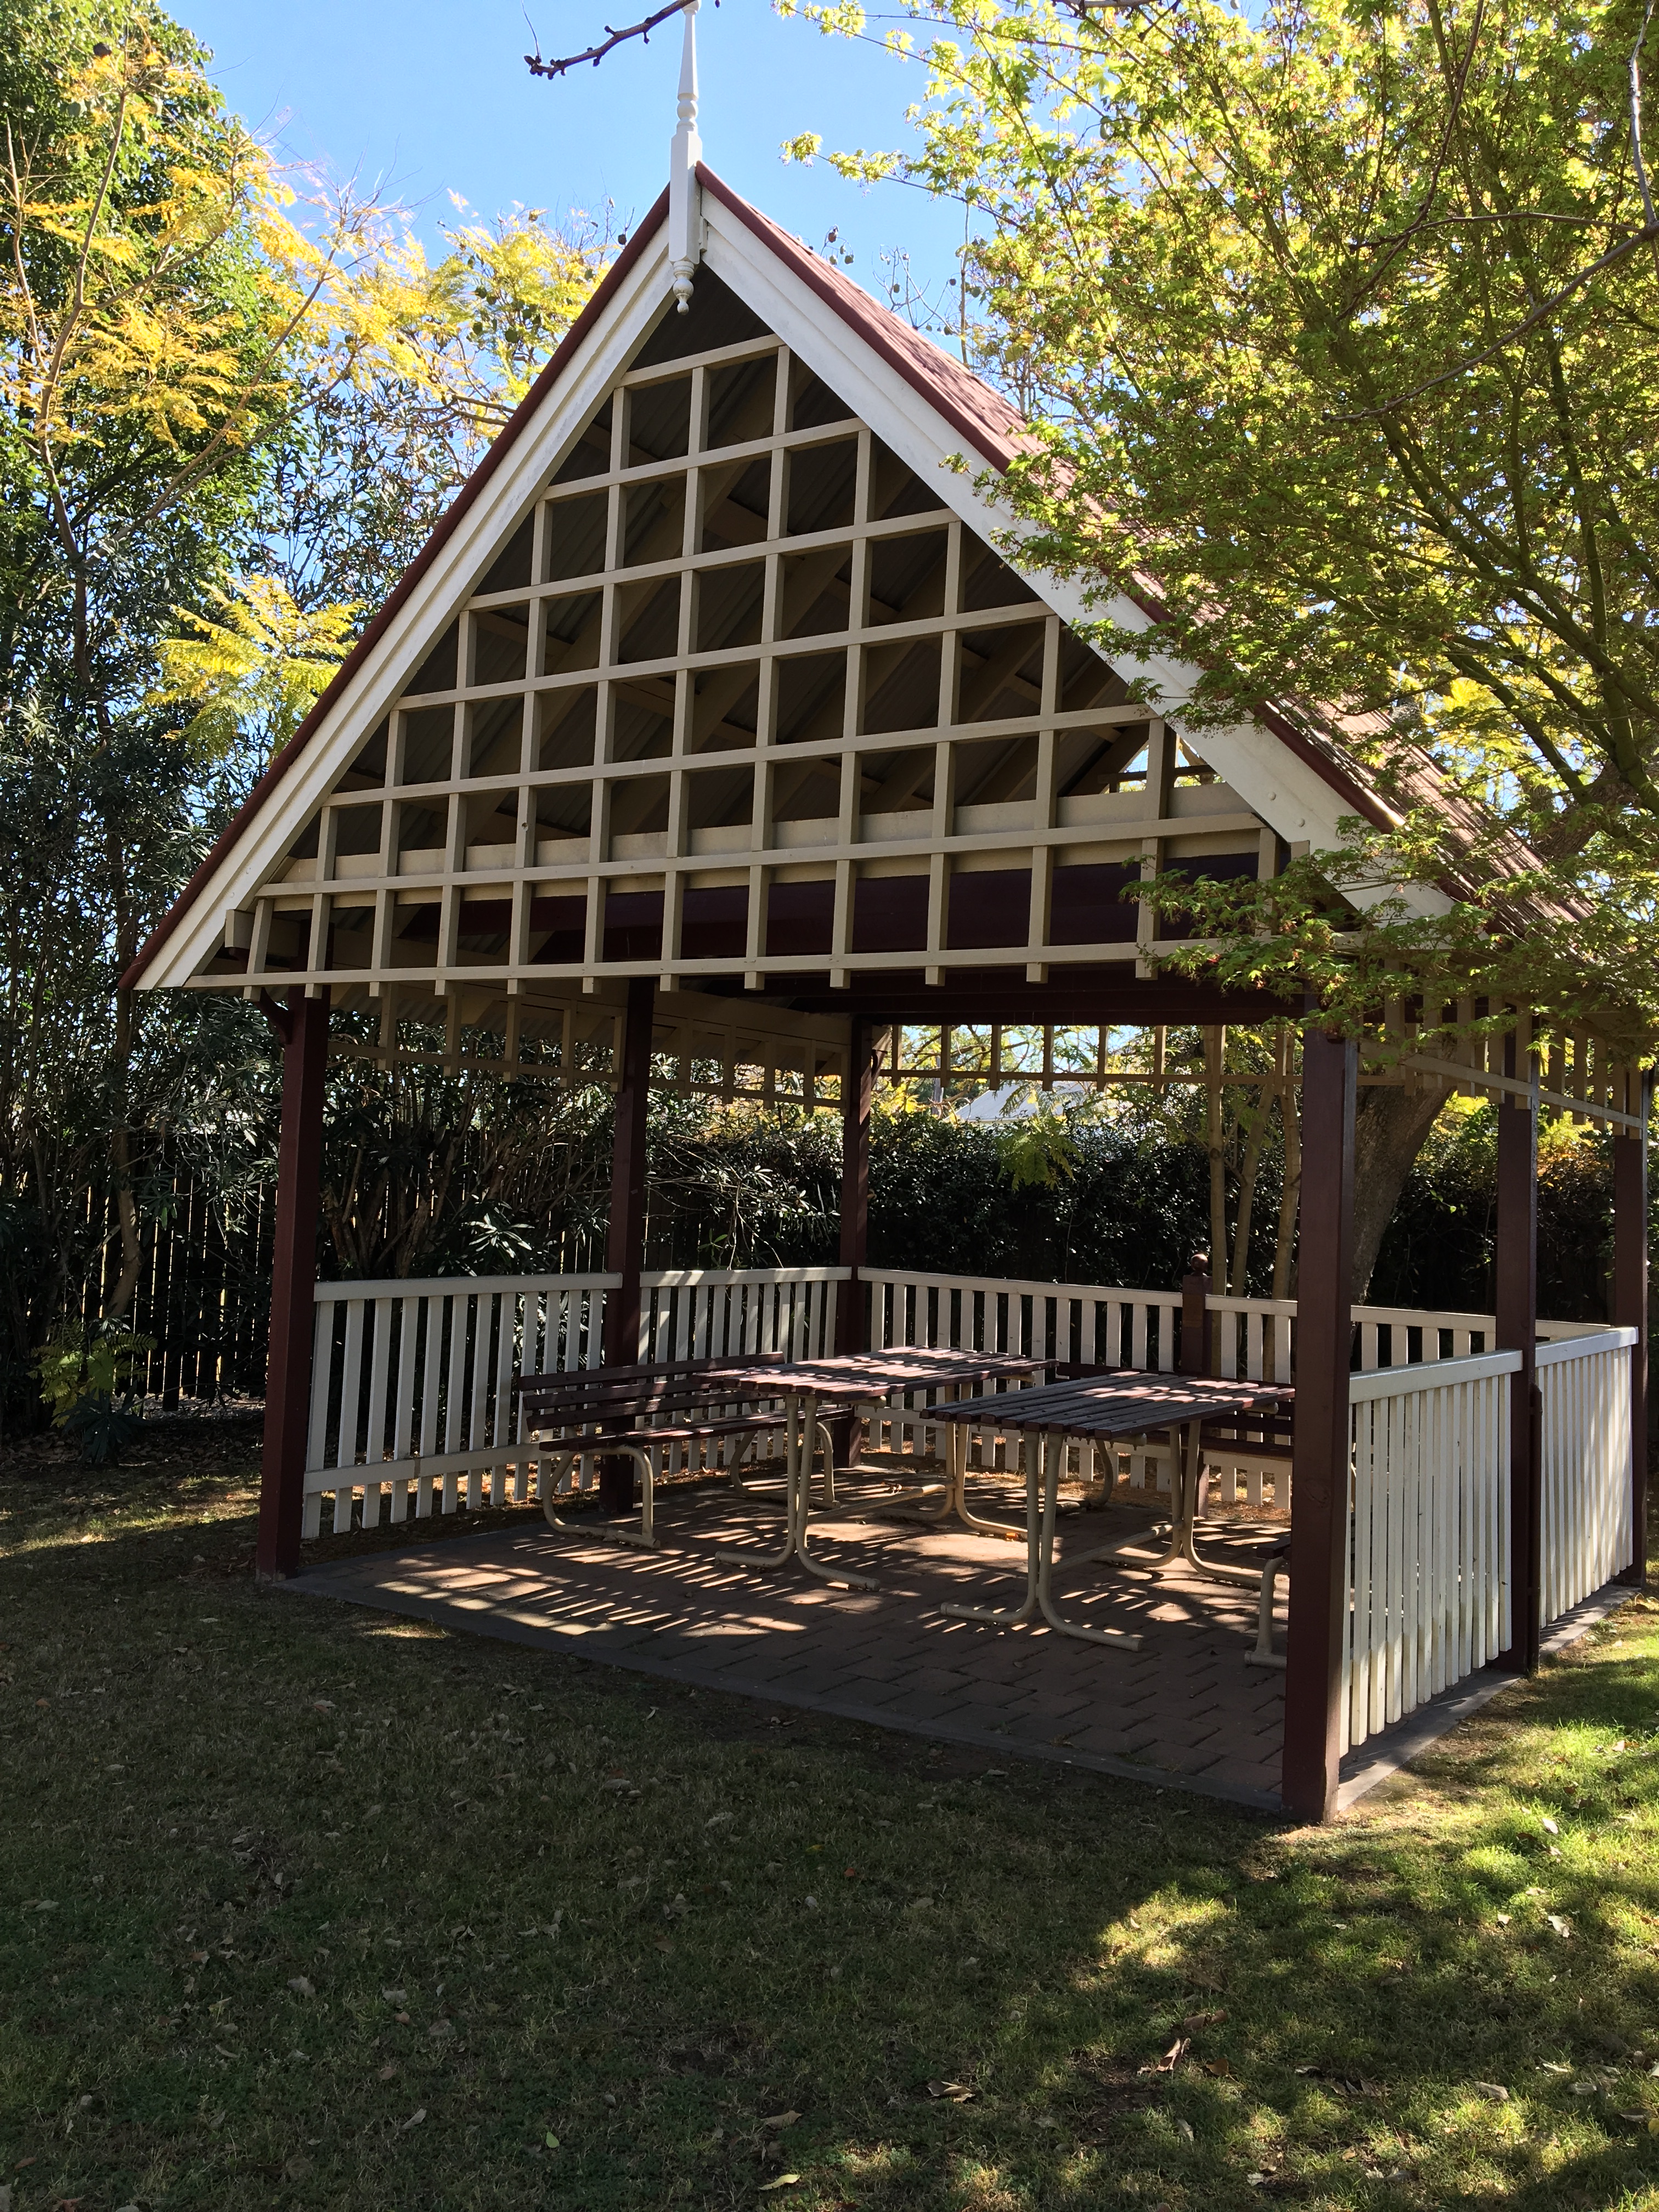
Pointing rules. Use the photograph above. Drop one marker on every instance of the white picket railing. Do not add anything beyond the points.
(412, 1381)
(412, 1409)
(704, 1313)
(1253, 1337)
(1584, 1383)
(1428, 1533)
(1117, 1328)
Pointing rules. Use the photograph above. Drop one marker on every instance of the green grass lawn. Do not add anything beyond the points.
(303, 1907)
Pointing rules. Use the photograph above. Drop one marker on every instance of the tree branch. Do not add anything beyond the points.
(1636, 132)
(1648, 233)
(611, 40)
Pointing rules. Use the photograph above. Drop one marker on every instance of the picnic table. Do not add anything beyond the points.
(634, 1411)
(848, 1381)
(584, 1414)
(1105, 1406)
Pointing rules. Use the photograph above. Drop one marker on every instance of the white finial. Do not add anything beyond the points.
(684, 247)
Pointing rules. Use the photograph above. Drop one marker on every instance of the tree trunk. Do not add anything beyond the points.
(1239, 1281)
(1215, 1053)
(1391, 1129)
(1290, 1122)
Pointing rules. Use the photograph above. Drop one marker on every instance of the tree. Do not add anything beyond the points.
(227, 416)
(1336, 329)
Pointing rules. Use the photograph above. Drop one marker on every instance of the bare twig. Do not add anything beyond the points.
(611, 40)
(1502, 214)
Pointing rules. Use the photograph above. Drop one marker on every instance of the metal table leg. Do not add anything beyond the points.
(964, 1512)
(989, 1614)
(642, 1539)
(791, 1460)
(801, 1501)
(1054, 1454)
(1187, 1525)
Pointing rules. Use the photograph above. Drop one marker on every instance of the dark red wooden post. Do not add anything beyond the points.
(1196, 1325)
(624, 1252)
(1516, 1301)
(292, 1286)
(856, 1095)
(1630, 1310)
(851, 1332)
(1319, 1466)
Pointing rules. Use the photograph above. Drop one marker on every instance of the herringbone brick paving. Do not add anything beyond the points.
(1184, 1708)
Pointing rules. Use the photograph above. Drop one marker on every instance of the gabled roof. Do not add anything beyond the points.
(1297, 773)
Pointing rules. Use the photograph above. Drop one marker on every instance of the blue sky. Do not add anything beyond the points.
(433, 96)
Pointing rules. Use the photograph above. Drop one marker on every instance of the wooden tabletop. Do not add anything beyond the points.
(860, 1374)
(1121, 1405)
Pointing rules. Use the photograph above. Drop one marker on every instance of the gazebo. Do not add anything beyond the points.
(711, 730)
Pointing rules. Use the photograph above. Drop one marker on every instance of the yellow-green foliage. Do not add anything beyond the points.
(260, 671)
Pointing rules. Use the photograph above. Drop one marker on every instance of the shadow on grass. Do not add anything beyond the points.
(705, 1946)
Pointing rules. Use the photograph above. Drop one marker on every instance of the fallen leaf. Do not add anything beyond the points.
(414, 2119)
(782, 2120)
(1217, 2066)
(1184, 2128)
(1494, 2092)
(1555, 2066)
(719, 1820)
(395, 1996)
(550, 2140)
(1562, 1928)
(782, 2182)
(1172, 2057)
(300, 1986)
(322, 1705)
(1204, 2019)
(388, 2072)
(1549, 1826)
(953, 2092)
(1503, 1920)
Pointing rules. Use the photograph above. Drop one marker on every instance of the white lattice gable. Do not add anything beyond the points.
(714, 674)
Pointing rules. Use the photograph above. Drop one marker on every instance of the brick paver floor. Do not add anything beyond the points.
(1183, 1711)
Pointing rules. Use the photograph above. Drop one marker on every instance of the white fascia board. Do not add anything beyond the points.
(447, 584)
(1289, 795)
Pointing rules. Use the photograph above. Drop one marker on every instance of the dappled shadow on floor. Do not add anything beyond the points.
(1184, 1706)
